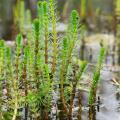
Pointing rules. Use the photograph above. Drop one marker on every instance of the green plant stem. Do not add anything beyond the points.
(16, 91)
(93, 89)
(46, 21)
(16, 80)
(67, 59)
(79, 116)
(1, 74)
(36, 50)
(62, 74)
(24, 76)
(77, 77)
(92, 110)
(54, 32)
(15, 109)
(36, 66)
(46, 47)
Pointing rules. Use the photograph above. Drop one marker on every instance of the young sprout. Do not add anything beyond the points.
(95, 81)
(54, 34)
(25, 77)
(77, 78)
(16, 79)
(27, 68)
(1, 75)
(46, 31)
(36, 29)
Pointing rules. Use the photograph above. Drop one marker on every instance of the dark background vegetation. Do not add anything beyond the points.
(64, 7)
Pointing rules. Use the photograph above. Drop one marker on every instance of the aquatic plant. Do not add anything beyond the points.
(25, 61)
(46, 29)
(2, 74)
(66, 103)
(41, 65)
(29, 69)
(94, 84)
(17, 70)
(54, 34)
(77, 78)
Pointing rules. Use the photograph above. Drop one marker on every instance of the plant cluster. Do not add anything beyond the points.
(43, 64)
